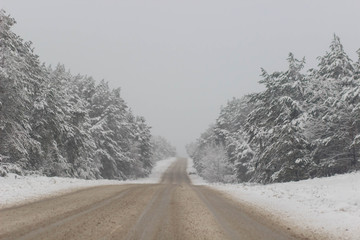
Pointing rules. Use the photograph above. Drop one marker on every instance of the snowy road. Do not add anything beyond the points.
(172, 209)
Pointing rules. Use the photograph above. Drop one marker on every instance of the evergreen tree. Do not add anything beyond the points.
(331, 126)
(145, 147)
(63, 125)
(19, 84)
(230, 129)
(300, 126)
(275, 126)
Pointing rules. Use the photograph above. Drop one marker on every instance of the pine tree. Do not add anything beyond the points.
(19, 85)
(230, 129)
(300, 126)
(275, 126)
(59, 124)
(331, 126)
(145, 148)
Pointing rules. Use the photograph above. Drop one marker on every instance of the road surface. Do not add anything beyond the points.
(172, 209)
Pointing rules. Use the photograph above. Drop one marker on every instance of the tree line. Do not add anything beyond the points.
(59, 124)
(303, 125)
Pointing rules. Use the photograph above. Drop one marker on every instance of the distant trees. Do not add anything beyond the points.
(302, 125)
(162, 149)
(59, 124)
(210, 159)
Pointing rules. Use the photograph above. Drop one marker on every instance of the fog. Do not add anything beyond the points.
(177, 62)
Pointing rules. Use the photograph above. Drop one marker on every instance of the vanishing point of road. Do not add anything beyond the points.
(172, 209)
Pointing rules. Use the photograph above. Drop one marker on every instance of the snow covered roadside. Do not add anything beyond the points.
(327, 206)
(16, 189)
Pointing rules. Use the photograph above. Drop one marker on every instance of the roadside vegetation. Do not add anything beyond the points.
(302, 125)
(55, 123)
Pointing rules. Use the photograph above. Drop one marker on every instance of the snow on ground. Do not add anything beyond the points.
(329, 206)
(16, 189)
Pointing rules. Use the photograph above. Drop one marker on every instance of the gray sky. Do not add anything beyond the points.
(177, 62)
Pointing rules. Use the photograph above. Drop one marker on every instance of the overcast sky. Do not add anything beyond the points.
(177, 62)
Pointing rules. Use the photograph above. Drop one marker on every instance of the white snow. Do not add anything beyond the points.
(329, 206)
(325, 205)
(16, 189)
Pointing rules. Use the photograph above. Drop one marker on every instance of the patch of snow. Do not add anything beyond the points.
(15, 189)
(328, 206)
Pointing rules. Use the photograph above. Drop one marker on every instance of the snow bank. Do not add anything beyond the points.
(16, 189)
(329, 206)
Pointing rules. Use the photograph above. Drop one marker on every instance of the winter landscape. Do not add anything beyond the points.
(280, 154)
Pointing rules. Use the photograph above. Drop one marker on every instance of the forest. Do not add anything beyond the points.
(304, 124)
(55, 123)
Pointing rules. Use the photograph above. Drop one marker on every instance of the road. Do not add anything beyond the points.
(172, 209)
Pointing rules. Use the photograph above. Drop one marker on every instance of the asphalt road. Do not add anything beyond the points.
(172, 209)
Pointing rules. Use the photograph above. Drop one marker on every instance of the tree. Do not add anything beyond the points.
(302, 125)
(161, 149)
(230, 130)
(19, 82)
(275, 126)
(332, 124)
(59, 124)
(210, 159)
(143, 137)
